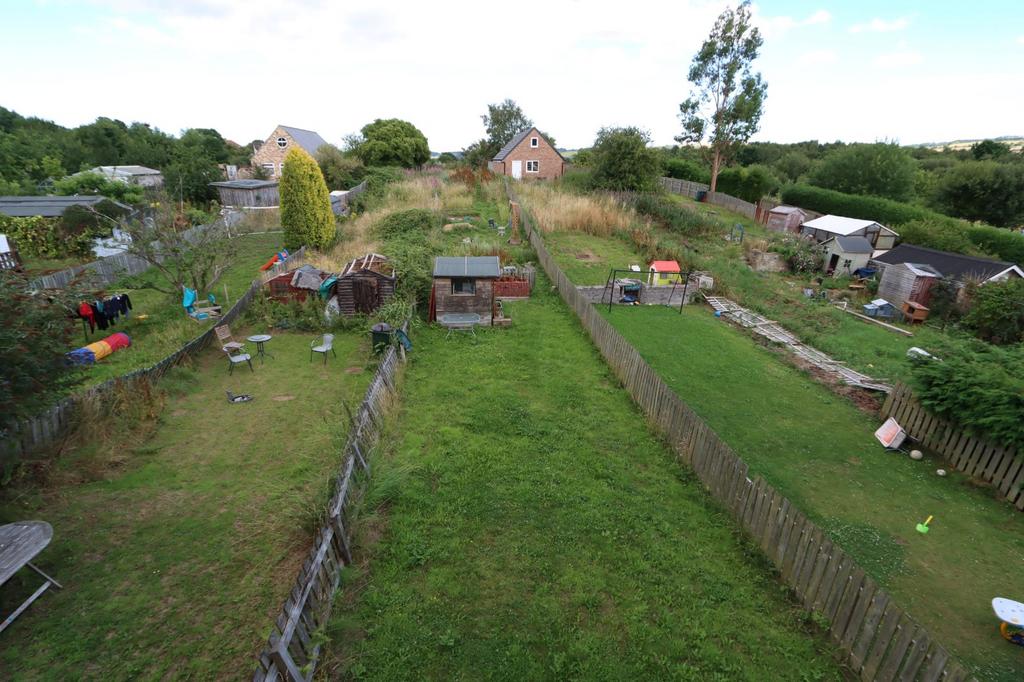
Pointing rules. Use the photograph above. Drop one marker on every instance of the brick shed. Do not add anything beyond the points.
(528, 155)
(464, 284)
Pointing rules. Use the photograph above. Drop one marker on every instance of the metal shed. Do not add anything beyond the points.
(248, 193)
(828, 226)
(786, 219)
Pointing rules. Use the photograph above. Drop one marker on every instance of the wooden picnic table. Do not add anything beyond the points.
(20, 543)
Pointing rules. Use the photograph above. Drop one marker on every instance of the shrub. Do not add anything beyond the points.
(414, 221)
(684, 169)
(801, 254)
(676, 217)
(996, 311)
(306, 214)
(47, 237)
(412, 259)
(750, 183)
(980, 387)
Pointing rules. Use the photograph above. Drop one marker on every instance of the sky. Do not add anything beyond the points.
(912, 71)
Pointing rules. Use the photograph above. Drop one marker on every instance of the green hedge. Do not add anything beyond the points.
(45, 237)
(929, 228)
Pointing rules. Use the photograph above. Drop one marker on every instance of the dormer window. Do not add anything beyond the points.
(282, 142)
(534, 142)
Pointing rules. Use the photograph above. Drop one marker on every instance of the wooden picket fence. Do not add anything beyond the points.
(878, 639)
(293, 648)
(54, 422)
(1003, 467)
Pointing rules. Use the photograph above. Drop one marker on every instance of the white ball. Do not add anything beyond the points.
(940, 472)
(916, 454)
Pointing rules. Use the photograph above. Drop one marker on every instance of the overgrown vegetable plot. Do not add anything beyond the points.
(818, 449)
(179, 526)
(524, 523)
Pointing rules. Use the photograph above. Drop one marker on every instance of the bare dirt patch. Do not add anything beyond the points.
(353, 370)
(588, 256)
(283, 398)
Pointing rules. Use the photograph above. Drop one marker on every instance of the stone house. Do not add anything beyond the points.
(270, 155)
(528, 155)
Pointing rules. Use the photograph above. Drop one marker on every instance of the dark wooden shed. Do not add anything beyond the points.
(365, 284)
(248, 193)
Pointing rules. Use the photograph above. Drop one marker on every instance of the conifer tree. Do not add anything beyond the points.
(306, 214)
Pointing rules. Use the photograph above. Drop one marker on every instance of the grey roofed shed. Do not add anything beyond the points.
(307, 139)
(854, 244)
(248, 193)
(467, 266)
(50, 206)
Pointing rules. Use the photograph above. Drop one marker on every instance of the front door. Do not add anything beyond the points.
(833, 262)
(517, 169)
(366, 296)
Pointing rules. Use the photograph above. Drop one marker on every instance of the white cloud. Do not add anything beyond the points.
(818, 58)
(773, 27)
(881, 26)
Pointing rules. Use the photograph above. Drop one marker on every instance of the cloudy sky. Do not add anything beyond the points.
(906, 70)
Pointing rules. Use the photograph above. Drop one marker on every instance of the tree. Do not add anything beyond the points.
(34, 337)
(96, 183)
(750, 183)
(188, 177)
(989, 149)
(340, 171)
(185, 256)
(996, 311)
(306, 214)
(623, 161)
(392, 142)
(446, 158)
(727, 99)
(881, 169)
(503, 122)
(792, 165)
(983, 190)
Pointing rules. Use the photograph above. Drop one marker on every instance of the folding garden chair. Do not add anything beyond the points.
(237, 359)
(227, 343)
(326, 345)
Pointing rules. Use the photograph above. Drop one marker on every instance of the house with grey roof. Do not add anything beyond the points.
(526, 156)
(270, 155)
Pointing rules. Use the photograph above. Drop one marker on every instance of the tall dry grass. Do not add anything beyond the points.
(558, 211)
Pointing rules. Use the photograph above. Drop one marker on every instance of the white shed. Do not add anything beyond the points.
(844, 255)
(828, 226)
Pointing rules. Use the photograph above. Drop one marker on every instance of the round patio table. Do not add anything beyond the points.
(260, 340)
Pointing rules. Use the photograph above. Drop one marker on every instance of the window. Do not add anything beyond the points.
(269, 167)
(282, 142)
(533, 166)
(463, 285)
(534, 142)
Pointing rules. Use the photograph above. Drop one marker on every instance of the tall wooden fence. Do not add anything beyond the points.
(293, 648)
(53, 423)
(1002, 467)
(879, 640)
(694, 189)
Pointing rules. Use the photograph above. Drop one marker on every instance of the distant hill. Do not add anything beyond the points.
(1016, 143)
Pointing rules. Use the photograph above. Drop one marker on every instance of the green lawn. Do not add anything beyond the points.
(818, 449)
(177, 540)
(586, 259)
(34, 266)
(524, 523)
(862, 345)
(166, 327)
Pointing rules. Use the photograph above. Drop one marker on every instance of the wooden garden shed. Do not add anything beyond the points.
(297, 285)
(464, 284)
(365, 284)
(907, 282)
(248, 193)
(786, 219)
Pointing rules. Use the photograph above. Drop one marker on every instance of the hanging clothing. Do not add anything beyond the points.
(86, 312)
(97, 311)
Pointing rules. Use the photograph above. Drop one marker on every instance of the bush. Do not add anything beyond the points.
(801, 255)
(412, 259)
(684, 169)
(623, 161)
(306, 214)
(1003, 244)
(980, 387)
(996, 312)
(414, 221)
(750, 183)
(675, 217)
(46, 237)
